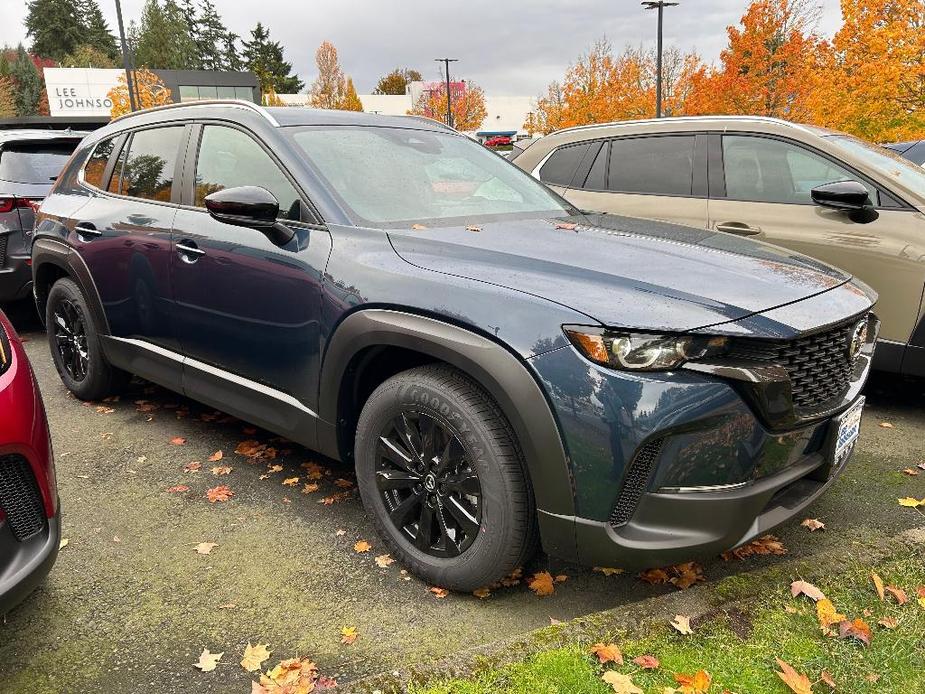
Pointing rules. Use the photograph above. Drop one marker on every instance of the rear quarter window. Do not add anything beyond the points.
(34, 162)
(560, 168)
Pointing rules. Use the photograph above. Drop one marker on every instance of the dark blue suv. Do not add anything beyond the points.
(501, 368)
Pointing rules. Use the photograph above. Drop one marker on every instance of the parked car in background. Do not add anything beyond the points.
(496, 365)
(498, 141)
(30, 160)
(914, 150)
(828, 195)
(29, 518)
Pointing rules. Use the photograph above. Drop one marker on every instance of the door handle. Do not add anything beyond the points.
(737, 228)
(189, 251)
(87, 231)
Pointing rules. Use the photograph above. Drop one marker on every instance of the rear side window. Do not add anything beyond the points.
(656, 165)
(229, 158)
(148, 169)
(560, 167)
(34, 162)
(597, 175)
(96, 164)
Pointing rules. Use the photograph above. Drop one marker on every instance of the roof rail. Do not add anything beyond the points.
(234, 103)
(429, 121)
(592, 126)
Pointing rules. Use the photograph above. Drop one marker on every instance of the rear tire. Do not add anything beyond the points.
(74, 340)
(441, 475)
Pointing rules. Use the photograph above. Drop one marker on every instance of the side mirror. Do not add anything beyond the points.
(842, 195)
(249, 206)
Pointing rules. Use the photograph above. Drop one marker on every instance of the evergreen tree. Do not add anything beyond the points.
(265, 59)
(210, 36)
(29, 88)
(94, 30)
(54, 26)
(163, 38)
(230, 51)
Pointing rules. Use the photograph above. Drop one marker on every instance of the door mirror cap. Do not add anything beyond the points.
(842, 195)
(249, 206)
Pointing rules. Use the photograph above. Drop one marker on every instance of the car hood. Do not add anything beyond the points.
(623, 271)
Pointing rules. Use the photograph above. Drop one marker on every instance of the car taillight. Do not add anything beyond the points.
(10, 203)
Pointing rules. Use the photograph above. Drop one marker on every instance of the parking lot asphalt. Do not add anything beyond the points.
(130, 604)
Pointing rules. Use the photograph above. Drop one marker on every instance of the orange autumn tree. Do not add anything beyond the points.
(870, 81)
(149, 92)
(468, 107)
(764, 68)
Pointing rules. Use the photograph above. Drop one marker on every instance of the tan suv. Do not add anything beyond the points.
(820, 192)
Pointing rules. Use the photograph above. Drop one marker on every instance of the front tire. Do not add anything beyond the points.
(440, 473)
(75, 346)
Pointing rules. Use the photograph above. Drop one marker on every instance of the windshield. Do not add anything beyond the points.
(34, 162)
(890, 164)
(395, 177)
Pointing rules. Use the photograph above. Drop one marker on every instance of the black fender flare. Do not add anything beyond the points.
(47, 251)
(501, 373)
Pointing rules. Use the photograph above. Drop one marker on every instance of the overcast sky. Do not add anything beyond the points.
(508, 48)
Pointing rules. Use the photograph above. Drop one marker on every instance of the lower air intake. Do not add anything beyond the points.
(20, 498)
(635, 483)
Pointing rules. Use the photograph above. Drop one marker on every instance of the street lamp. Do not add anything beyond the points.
(449, 99)
(660, 5)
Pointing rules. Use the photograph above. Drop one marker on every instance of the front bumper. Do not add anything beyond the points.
(23, 565)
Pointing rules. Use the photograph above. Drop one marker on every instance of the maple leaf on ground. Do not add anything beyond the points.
(348, 635)
(383, 561)
(221, 470)
(911, 502)
(418, 227)
(622, 684)
(482, 593)
(798, 683)
(178, 441)
(687, 574)
(856, 629)
(292, 676)
(911, 471)
(813, 524)
(898, 593)
(208, 661)
(254, 656)
(607, 571)
(439, 592)
(878, 584)
(698, 683)
(291, 481)
(219, 493)
(178, 488)
(807, 589)
(542, 584)
(607, 653)
(827, 678)
(362, 546)
(250, 448)
(567, 226)
(886, 425)
(826, 614)
(682, 624)
(647, 662)
(888, 622)
(205, 547)
(764, 545)
(653, 576)
(215, 457)
(194, 466)
(274, 468)
(309, 488)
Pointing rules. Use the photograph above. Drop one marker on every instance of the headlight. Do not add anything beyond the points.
(642, 351)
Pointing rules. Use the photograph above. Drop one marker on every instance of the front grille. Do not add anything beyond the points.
(819, 365)
(635, 482)
(4, 238)
(20, 498)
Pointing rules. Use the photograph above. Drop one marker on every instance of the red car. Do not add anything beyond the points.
(498, 141)
(30, 526)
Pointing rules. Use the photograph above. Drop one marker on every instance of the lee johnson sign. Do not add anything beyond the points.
(79, 91)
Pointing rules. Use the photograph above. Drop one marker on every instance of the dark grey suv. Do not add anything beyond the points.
(499, 367)
(30, 160)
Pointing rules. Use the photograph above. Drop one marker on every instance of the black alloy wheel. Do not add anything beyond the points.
(428, 484)
(70, 336)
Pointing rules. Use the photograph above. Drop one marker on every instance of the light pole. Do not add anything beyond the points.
(660, 5)
(449, 98)
(126, 59)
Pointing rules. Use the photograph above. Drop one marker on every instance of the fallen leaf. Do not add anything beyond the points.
(878, 584)
(309, 487)
(340, 532)
(807, 589)
(827, 678)
(439, 592)
(481, 593)
(552, 620)
(178, 440)
(205, 547)
(274, 468)
(418, 227)
(654, 576)
(473, 227)
(607, 653)
(647, 662)
(207, 661)
(254, 656)
(886, 425)
(178, 488)
(561, 578)
(682, 624)
(195, 466)
(826, 614)
(764, 545)
(291, 481)
(856, 629)
(888, 622)
(221, 470)
(911, 471)
(220, 493)
(228, 606)
(362, 546)
(542, 584)
(698, 683)
(607, 571)
(687, 574)
(342, 483)
(348, 635)
(292, 676)
(64, 542)
(898, 593)
(920, 466)
(813, 524)
(215, 457)
(872, 677)
(798, 683)
(567, 226)
(383, 561)
(622, 684)
(910, 502)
